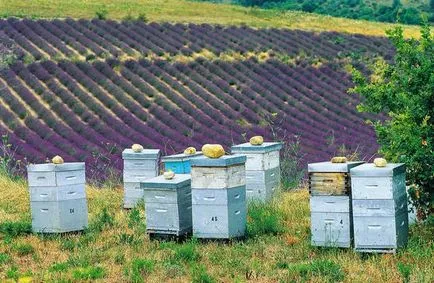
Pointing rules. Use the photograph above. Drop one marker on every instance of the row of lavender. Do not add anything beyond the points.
(78, 109)
(54, 39)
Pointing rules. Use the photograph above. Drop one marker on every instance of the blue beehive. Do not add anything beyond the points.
(179, 163)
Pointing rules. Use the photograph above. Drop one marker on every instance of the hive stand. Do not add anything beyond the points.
(380, 212)
(138, 167)
(330, 203)
(218, 189)
(262, 169)
(168, 205)
(179, 163)
(57, 197)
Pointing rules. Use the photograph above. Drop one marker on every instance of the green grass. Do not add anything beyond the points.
(116, 249)
(190, 12)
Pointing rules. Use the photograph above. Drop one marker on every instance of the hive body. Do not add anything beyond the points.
(138, 167)
(330, 203)
(168, 205)
(218, 189)
(57, 197)
(179, 163)
(262, 169)
(379, 207)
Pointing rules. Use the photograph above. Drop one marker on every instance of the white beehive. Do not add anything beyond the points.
(138, 167)
(219, 197)
(262, 168)
(57, 197)
(380, 213)
(168, 205)
(330, 203)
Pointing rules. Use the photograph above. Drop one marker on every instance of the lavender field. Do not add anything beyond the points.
(87, 89)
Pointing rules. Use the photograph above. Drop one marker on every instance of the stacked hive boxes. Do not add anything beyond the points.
(57, 197)
(219, 196)
(330, 203)
(262, 168)
(379, 207)
(138, 167)
(168, 205)
(179, 163)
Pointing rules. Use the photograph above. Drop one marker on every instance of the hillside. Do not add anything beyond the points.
(183, 11)
(87, 89)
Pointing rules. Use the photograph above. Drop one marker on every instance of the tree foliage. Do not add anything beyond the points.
(404, 91)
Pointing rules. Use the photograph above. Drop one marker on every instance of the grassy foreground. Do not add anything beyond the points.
(192, 12)
(117, 249)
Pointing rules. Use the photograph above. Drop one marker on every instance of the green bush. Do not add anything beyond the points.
(264, 218)
(103, 220)
(404, 91)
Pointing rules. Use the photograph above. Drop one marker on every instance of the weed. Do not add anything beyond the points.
(200, 275)
(140, 268)
(187, 252)
(4, 258)
(103, 219)
(325, 269)
(264, 218)
(12, 273)
(143, 18)
(24, 249)
(405, 271)
(136, 218)
(14, 229)
(58, 267)
(89, 273)
(174, 270)
(101, 13)
(125, 238)
(67, 245)
(119, 259)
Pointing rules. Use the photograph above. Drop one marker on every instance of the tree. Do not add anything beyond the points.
(404, 92)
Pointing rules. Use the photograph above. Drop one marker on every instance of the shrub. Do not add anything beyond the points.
(264, 218)
(404, 91)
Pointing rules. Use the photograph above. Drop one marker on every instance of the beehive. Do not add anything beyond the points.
(262, 169)
(168, 205)
(179, 163)
(138, 167)
(330, 203)
(57, 197)
(218, 189)
(380, 213)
